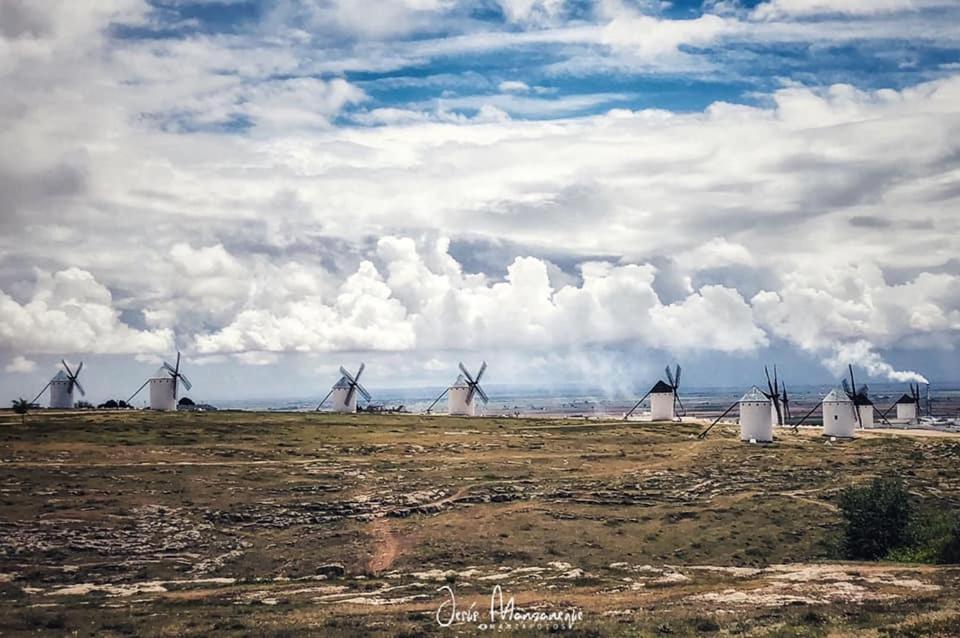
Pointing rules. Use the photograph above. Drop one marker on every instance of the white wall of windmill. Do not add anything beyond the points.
(661, 406)
(839, 419)
(907, 412)
(162, 394)
(61, 394)
(343, 400)
(457, 403)
(866, 415)
(774, 420)
(755, 422)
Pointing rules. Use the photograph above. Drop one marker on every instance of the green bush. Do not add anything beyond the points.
(876, 519)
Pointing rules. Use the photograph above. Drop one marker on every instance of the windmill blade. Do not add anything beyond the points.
(177, 369)
(186, 381)
(39, 394)
(786, 400)
(676, 399)
(363, 391)
(350, 392)
(856, 410)
(466, 373)
(483, 395)
(677, 376)
(846, 387)
(483, 367)
(138, 390)
(776, 407)
(470, 392)
(360, 370)
(853, 382)
(883, 417)
(770, 388)
(864, 390)
(69, 371)
(670, 377)
(80, 387)
(79, 368)
(636, 405)
(348, 376)
(703, 434)
(169, 368)
(323, 400)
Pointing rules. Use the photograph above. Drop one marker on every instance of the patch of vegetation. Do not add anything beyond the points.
(881, 522)
(876, 519)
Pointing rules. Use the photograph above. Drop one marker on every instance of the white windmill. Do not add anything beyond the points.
(844, 409)
(908, 406)
(461, 396)
(163, 386)
(756, 424)
(755, 421)
(61, 387)
(345, 390)
(664, 398)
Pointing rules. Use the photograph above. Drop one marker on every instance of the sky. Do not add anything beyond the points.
(576, 191)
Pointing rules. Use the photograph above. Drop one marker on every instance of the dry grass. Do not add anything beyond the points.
(149, 524)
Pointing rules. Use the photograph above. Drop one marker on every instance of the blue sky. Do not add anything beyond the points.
(567, 188)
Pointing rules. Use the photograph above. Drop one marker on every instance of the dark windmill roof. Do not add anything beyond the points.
(661, 388)
(862, 399)
(906, 399)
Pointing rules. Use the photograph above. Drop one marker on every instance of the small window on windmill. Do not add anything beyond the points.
(834, 417)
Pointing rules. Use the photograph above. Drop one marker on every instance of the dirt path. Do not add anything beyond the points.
(386, 547)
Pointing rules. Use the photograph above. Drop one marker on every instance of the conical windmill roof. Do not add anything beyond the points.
(342, 383)
(661, 388)
(862, 399)
(906, 398)
(460, 382)
(60, 376)
(160, 373)
(754, 396)
(836, 396)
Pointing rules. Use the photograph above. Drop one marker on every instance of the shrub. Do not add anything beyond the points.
(876, 519)
(950, 551)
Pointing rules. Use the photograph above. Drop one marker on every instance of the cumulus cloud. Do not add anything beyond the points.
(69, 311)
(229, 208)
(426, 302)
(847, 313)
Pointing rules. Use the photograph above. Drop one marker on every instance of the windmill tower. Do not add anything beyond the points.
(908, 406)
(164, 384)
(61, 387)
(462, 394)
(344, 391)
(664, 398)
(840, 416)
(755, 421)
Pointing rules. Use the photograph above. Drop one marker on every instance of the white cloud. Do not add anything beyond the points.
(513, 85)
(648, 36)
(20, 364)
(426, 302)
(245, 243)
(790, 8)
(69, 311)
